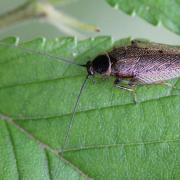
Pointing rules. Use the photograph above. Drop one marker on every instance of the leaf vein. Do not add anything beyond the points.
(87, 110)
(48, 165)
(101, 146)
(13, 149)
(43, 145)
(39, 82)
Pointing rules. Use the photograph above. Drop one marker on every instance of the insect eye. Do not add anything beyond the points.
(101, 64)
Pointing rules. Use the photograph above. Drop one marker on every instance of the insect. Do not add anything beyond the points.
(139, 63)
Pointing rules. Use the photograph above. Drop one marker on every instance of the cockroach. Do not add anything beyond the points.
(140, 63)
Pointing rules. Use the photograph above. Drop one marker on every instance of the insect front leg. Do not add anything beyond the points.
(118, 83)
(131, 87)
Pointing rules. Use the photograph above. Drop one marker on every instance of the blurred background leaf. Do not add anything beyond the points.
(165, 12)
(111, 22)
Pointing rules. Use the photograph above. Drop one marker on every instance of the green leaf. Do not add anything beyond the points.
(111, 137)
(166, 12)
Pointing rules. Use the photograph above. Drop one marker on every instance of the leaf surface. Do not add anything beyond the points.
(111, 137)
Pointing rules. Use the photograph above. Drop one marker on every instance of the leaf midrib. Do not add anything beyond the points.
(85, 147)
(42, 145)
(24, 118)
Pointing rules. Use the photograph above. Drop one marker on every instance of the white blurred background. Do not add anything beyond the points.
(111, 22)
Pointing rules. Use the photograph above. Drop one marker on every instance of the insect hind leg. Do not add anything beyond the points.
(131, 87)
(170, 85)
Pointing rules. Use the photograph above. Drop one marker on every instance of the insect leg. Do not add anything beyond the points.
(92, 79)
(132, 84)
(169, 85)
(119, 81)
(131, 87)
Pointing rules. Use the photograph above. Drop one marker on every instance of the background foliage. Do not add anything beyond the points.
(165, 12)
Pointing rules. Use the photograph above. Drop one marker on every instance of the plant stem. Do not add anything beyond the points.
(24, 12)
(39, 9)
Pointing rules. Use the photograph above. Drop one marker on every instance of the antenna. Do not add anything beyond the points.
(73, 114)
(31, 51)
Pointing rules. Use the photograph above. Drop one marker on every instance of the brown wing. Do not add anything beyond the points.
(156, 46)
(148, 64)
(140, 48)
(151, 69)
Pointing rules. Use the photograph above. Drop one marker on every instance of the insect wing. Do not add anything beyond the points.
(157, 68)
